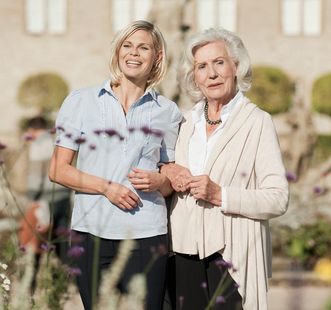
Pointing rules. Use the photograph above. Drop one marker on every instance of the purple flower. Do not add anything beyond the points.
(74, 271)
(47, 247)
(220, 300)
(243, 174)
(92, 147)
(325, 173)
(62, 231)
(160, 250)
(2, 146)
(75, 238)
(75, 251)
(60, 128)
(80, 140)
(131, 129)
(28, 137)
(52, 130)
(291, 176)
(145, 130)
(111, 132)
(98, 132)
(204, 285)
(68, 135)
(222, 263)
(318, 190)
(157, 133)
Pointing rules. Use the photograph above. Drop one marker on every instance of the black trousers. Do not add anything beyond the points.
(191, 283)
(140, 258)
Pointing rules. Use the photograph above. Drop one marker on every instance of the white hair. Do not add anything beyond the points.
(237, 52)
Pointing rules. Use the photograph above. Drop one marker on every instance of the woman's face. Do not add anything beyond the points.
(215, 72)
(137, 56)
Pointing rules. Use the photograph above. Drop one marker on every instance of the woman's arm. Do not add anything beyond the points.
(177, 175)
(270, 198)
(63, 172)
(150, 181)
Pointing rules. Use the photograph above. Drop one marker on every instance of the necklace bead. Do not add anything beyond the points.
(210, 122)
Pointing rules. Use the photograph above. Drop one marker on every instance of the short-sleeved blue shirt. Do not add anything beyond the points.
(109, 143)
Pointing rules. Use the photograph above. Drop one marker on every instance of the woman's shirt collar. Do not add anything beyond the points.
(197, 110)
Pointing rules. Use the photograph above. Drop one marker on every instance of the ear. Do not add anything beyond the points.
(158, 56)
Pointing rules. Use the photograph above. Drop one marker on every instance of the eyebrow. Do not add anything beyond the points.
(142, 43)
(212, 60)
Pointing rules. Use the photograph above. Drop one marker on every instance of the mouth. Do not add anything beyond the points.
(214, 85)
(133, 63)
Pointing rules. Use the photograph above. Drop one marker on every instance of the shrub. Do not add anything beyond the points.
(45, 91)
(310, 242)
(321, 95)
(322, 149)
(271, 89)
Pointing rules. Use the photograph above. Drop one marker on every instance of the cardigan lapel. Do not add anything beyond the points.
(236, 120)
(186, 132)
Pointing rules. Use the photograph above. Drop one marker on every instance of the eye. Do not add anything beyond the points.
(145, 48)
(220, 62)
(201, 66)
(126, 45)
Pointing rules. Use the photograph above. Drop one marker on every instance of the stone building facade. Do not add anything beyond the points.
(71, 38)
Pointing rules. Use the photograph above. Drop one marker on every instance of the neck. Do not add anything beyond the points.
(216, 105)
(128, 92)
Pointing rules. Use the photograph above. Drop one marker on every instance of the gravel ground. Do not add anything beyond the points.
(280, 298)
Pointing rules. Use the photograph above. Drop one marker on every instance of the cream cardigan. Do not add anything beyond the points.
(247, 161)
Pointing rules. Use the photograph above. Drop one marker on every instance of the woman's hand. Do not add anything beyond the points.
(146, 181)
(202, 187)
(121, 196)
(178, 176)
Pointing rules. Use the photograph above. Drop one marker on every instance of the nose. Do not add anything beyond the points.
(212, 73)
(134, 51)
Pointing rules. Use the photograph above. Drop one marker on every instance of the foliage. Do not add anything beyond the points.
(321, 94)
(322, 149)
(9, 249)
(52, 283)
(271, 90)
(328, 305)
(310, 242)
(45, 91)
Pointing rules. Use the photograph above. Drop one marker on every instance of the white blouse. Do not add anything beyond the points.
(200, 146)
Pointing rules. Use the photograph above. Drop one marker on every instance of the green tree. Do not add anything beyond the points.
(321, 95)
(272, 90)
(45, 91)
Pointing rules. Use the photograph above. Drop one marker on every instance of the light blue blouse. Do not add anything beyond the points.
(109, 144)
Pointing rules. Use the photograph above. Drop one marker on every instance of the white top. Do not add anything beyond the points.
(200, 146)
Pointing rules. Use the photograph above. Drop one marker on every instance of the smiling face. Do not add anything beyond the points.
(137, 56)
(215, 72)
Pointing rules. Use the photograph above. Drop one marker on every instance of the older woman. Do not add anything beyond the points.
(120, 132)
(229, 178)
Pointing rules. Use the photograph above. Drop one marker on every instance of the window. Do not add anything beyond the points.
(301, 17)
(46, 16)
(126, 11)
(216, 13)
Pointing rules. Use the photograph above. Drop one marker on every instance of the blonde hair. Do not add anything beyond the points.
(159, 68)
(237, 52)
